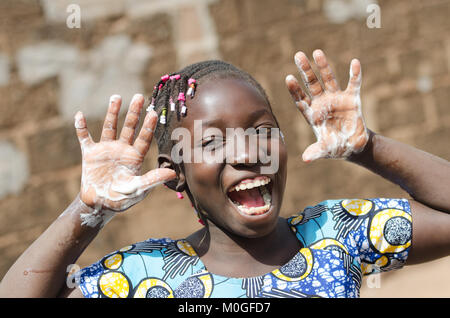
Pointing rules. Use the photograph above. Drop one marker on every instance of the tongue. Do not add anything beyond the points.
(248, 198)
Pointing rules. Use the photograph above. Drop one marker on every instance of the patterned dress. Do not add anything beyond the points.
(343, 240)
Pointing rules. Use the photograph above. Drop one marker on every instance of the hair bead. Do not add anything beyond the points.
(152, 105)
(165, 78)
(172, 104)
(182, 99)
(191, 90)
(162, 119)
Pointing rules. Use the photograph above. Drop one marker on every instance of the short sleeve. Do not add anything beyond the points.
(122, 274)
(384, 238)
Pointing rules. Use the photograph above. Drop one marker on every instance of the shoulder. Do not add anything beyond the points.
(346, 220)
(118, 272)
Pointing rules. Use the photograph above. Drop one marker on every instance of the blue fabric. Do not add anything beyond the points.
(342, 239)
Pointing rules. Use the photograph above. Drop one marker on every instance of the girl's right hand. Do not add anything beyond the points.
(110, 180)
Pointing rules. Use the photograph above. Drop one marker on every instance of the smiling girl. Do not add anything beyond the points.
(245, 248)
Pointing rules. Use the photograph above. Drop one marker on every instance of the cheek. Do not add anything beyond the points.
(202, 179)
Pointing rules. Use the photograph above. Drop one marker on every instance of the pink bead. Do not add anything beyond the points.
(175, 77)
(179, 195)
(165, 78)
(191, 81)
(181, 97)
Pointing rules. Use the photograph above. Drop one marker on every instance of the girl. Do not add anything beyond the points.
(245, 249)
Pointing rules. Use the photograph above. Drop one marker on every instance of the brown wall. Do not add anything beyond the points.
(405, 96)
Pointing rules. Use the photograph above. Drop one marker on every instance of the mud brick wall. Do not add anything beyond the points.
(48, 71)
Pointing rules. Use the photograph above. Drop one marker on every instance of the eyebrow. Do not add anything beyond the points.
(254, 116)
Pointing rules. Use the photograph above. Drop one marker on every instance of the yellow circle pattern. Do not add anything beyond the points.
(145, 285)
(114, 261)
(357, 207)
(297, 219)
(114, 285)
(186, 248)
(376, 232)
(324, 243)
(306, 252)
(207, 284)
(126, 248)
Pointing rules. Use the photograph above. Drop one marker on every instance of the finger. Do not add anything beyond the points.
(109, 130)
(82, 132)
(156, 177)
(143, 140)
(313, 152)
(308, 76)
(328, 79)
(132, 119)
(300, 98)
(354, 83)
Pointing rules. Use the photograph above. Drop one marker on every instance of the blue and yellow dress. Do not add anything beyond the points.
(343, 240)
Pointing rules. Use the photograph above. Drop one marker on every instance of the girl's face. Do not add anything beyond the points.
(233, 103)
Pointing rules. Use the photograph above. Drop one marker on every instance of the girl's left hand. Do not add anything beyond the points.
(334, 115)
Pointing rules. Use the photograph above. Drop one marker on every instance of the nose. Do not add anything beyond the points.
(242, 152)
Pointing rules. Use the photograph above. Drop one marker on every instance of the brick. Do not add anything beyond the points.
(53, 149)
(13, 169)
(433, 18)
(227, 17)
(429, 61)
(4, 69)
(442, 98)
(34, 206)
(156, 30)
(55, 11)
(113, 67)
(20, 104)
(399, 112)
(44, 60)
(435, 142)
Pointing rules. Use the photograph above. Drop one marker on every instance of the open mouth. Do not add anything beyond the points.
(252, 196)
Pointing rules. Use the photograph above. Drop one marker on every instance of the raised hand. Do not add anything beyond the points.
(335, 115)
(110, 180)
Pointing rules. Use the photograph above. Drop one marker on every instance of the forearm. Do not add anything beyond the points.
(42, 269)
(424, 176)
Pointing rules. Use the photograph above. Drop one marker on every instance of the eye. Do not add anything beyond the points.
(210, 142)
(264, 130)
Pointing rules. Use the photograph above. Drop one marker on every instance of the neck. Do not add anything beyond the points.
(226, 254)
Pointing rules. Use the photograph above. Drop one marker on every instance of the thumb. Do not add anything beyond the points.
(155, 177)
(313, 152)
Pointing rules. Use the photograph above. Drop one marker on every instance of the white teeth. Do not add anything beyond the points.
(250, 185)
(266, 195)
(260, 209)
(254, 210)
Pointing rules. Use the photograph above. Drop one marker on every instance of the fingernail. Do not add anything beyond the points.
(78, 120)
(290, 77)
(114, 98)
(136, 96)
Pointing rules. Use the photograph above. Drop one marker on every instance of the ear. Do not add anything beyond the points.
(178, 184)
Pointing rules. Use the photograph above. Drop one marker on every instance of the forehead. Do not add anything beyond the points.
(229, 101)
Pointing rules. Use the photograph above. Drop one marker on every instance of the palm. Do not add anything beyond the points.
(110, 167)
(334, 115)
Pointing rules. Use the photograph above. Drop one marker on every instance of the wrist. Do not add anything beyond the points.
(88, 216)
(367, 151)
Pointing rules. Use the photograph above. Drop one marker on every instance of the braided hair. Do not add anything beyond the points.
(167, 92)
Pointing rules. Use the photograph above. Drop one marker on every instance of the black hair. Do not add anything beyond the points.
(165, 90)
